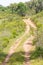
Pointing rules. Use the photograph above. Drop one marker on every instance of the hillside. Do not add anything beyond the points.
(10, 30)
(21, 33)
(37, 55)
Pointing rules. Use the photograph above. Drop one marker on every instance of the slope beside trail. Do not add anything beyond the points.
(16, 44)
(28, 44)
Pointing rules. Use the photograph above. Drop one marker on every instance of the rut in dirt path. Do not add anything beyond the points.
(16, 44)
(27, 47)
(28, 44)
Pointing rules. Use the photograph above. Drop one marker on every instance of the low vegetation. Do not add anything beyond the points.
(37, 55)
(12, 27)
(10, 30)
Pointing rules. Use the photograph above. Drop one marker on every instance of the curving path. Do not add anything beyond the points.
(16, 44)
(28, 44)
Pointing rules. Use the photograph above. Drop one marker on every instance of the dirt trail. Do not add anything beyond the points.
(28, 44)
(16, 44)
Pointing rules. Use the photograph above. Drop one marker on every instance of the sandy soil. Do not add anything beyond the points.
(28, 44)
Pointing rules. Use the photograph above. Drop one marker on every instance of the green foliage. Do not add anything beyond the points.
(34, 6)
(16, 59)
(37, 53)
(37, 56)
(10, 28)
(2, 57)
(21, 9)
(38, 20)
(29, 8)
(13, 8)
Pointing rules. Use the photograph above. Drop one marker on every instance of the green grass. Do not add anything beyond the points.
(16, 59)
(37, 55)
(37, 61)
(14, 27)
(11, 28)
(38, 19)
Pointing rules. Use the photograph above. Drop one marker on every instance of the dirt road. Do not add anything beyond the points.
(16, 44)
(28, 44)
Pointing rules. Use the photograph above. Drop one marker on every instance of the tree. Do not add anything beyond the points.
(21, 9)
(13, 7)
(36, 5)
